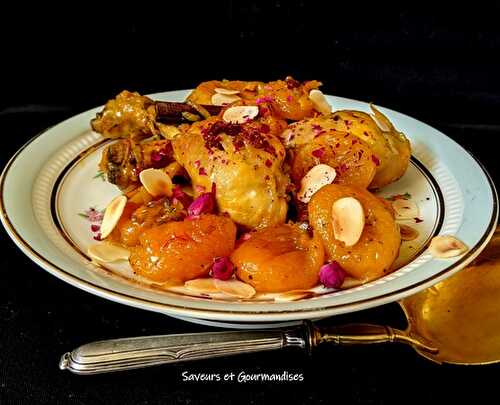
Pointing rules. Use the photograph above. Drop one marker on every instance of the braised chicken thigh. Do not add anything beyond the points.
(244, 161)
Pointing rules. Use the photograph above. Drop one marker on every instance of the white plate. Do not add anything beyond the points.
(51, 179)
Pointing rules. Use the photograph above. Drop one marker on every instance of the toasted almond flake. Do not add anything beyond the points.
(350, 282)
(293, 295)
(407, 232)
(156, 182)
(240, 114)
(228, 92)
(319, 101)
(107, 252)
(316, 178)
(235, 288)
(202, 285)
(405, 209)
(348, 220)
(112, 215)
(221, 99)
(445, 246)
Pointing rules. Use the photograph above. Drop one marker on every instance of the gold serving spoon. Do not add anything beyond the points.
(455, 321)
(460, 316)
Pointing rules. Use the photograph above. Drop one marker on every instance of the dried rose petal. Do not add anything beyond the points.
(199, 189)
(204, 204)
(95, 228)
(159, 159)
(332, 275)
(265, 129)
(222, 268)
(342, 168)
(245, 236)
(264, 99)
(318, 152)
(177, 192)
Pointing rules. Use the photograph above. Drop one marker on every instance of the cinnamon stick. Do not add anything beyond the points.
(170, 112)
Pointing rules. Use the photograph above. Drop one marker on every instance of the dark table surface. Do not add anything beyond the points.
(438, 70)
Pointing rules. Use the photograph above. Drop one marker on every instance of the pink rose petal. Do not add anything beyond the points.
(332, 275)
(222, 268)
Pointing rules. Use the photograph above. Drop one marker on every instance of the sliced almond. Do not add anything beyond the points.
(235, 288)
(348, 220)
(156, 182)
(319, 101)
(112, 215)
(202, 285)
(240, 114)
(316, 178)
(228, 92)
(405, 209)
(445, 246)
(107, 252)
(407, 232)
(350, 282)
(221, 99)
(293, 295)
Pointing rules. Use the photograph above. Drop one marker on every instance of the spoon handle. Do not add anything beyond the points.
(362, 333)
(138, 352)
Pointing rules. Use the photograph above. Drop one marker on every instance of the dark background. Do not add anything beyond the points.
(436, 63)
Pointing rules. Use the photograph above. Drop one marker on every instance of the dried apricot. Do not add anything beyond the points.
(378, 246)
(179, 251)
(279, 258)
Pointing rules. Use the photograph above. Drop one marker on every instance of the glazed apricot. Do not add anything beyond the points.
(347, 154)
(372, 256)
(137, 218)
(179, 251)
(279, 258)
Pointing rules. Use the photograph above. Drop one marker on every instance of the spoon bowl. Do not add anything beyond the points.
(460, 316)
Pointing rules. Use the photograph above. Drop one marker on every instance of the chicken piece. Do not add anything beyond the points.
(244, 161)
(391, 149)
(123, 160)
(129, 115)
(205, 90)
(347, 154)
(288, 99)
